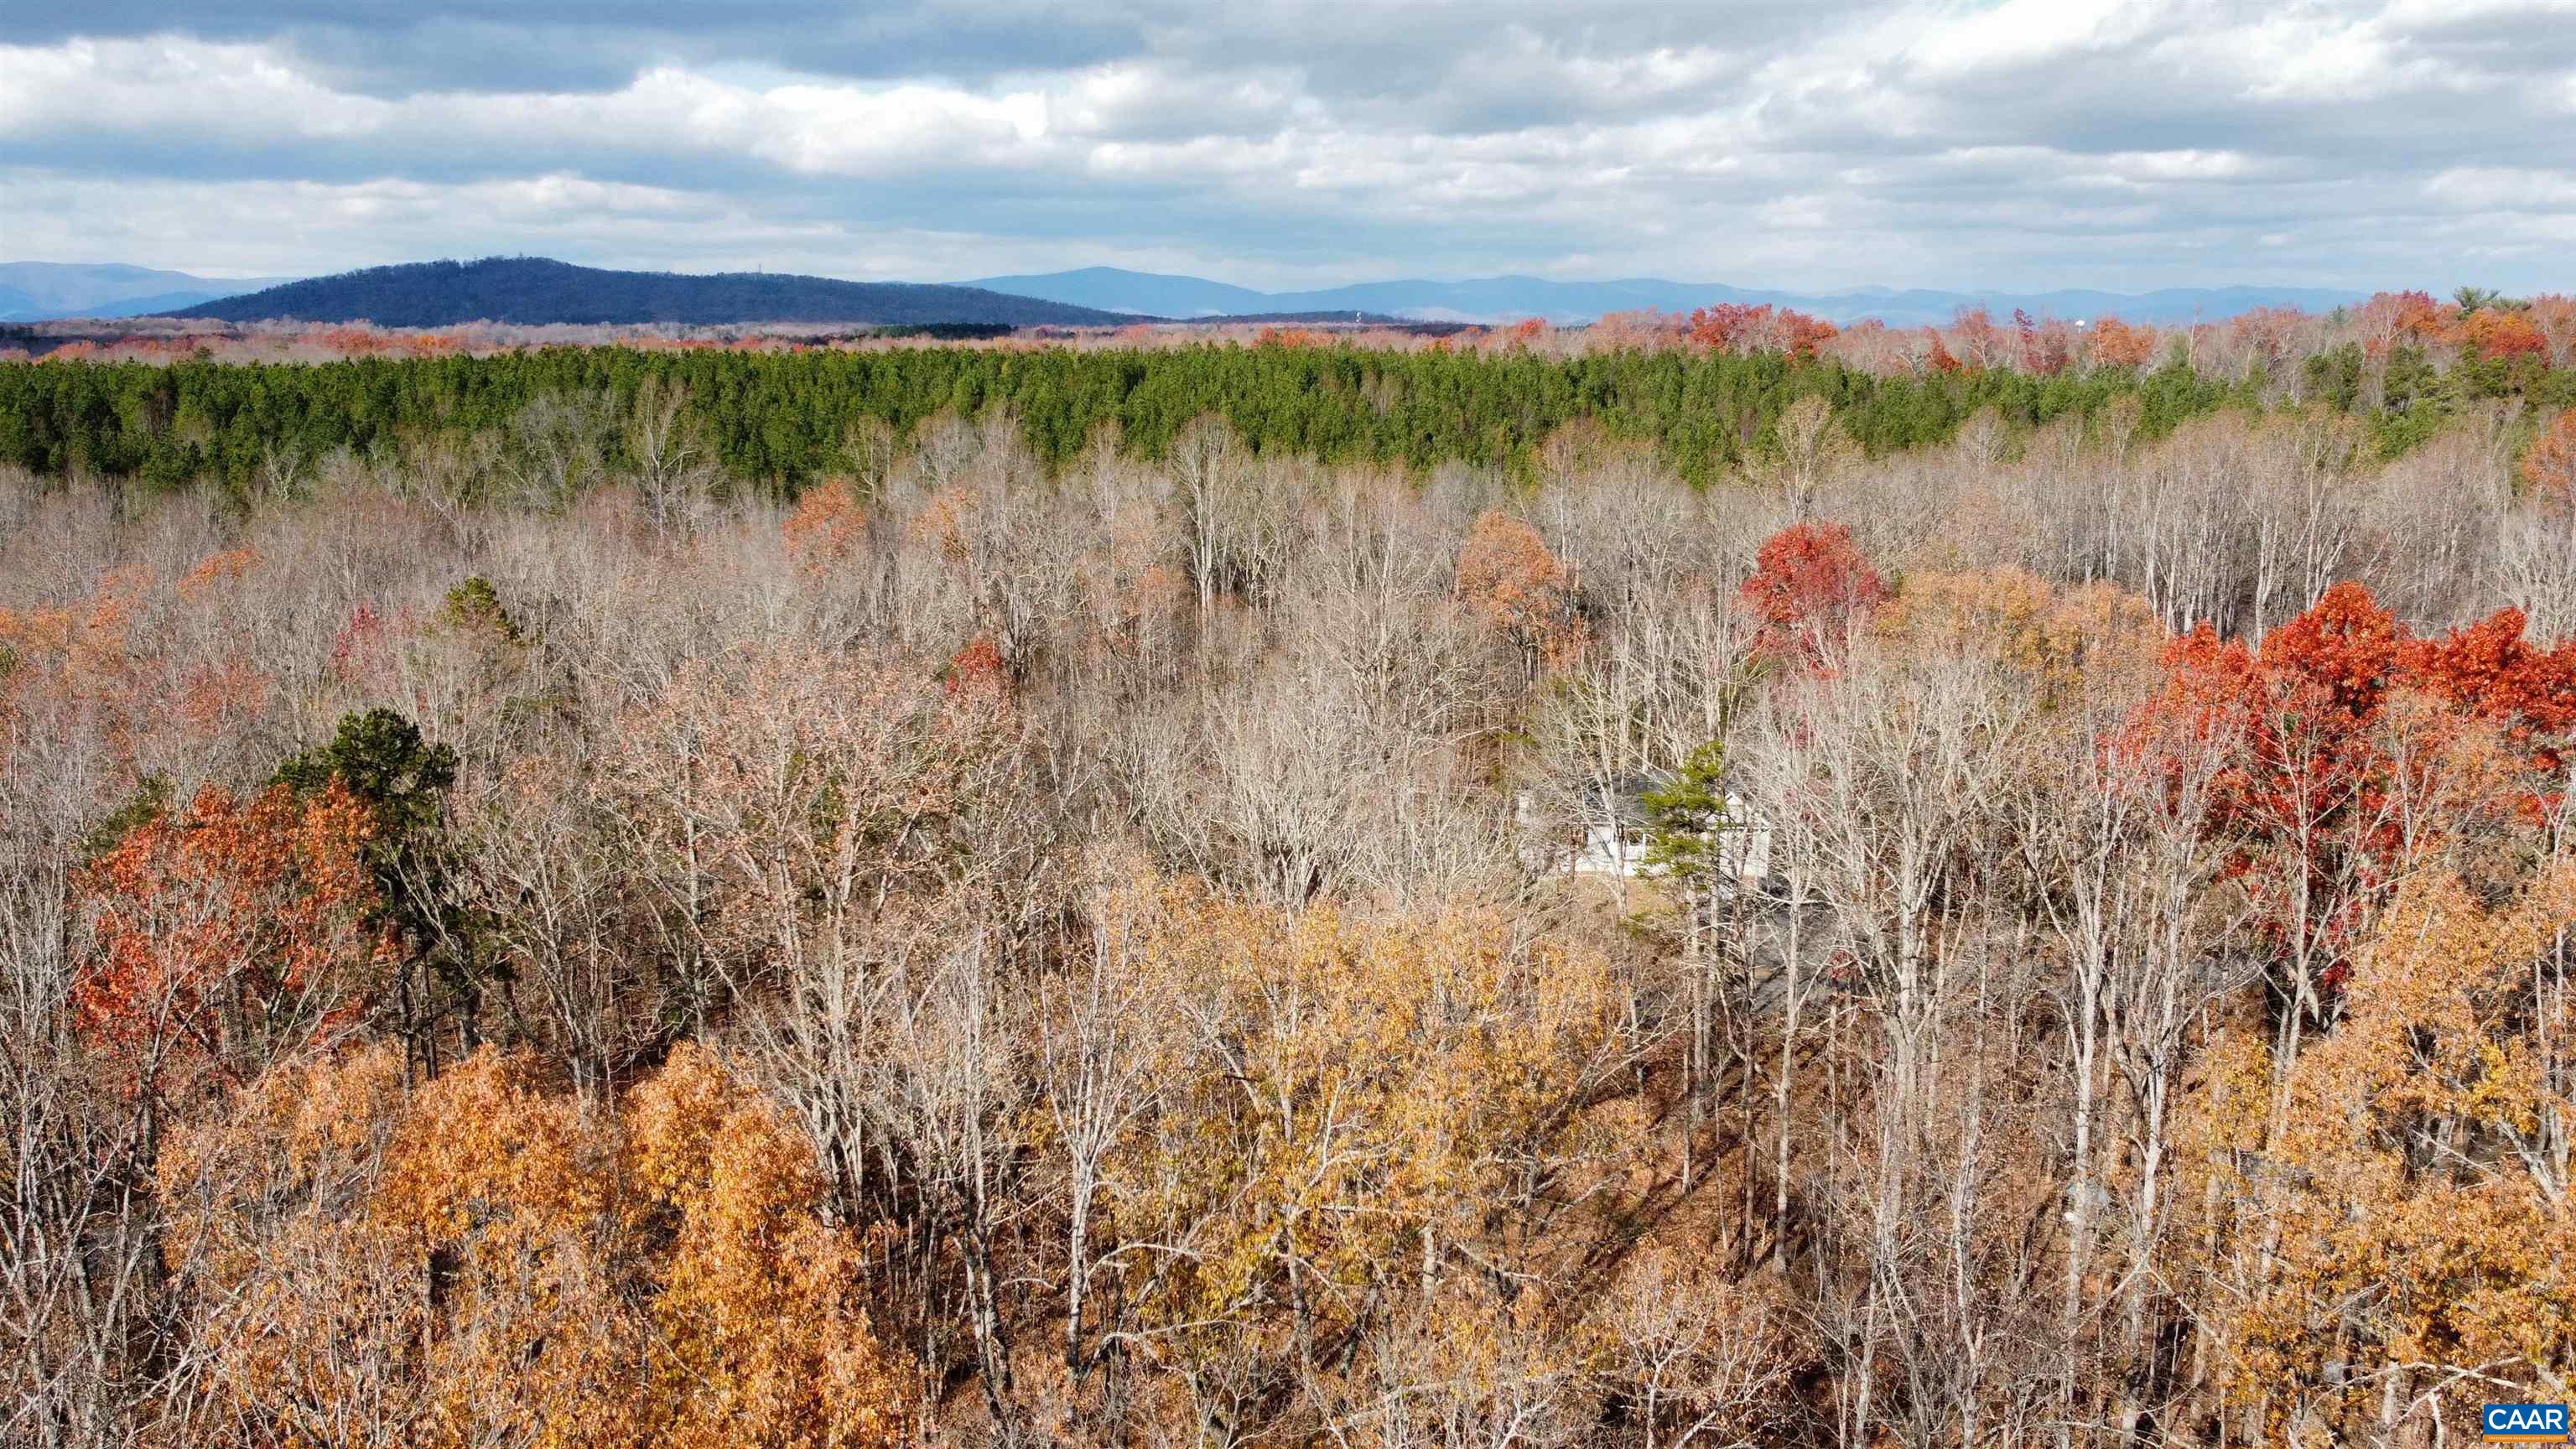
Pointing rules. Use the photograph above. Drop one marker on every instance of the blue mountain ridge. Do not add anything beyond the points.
(1508, 298)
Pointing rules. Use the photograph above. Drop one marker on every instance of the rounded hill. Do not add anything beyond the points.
(536, 291)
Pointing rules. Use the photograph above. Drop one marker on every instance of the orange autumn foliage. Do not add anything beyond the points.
(2270, 333)
(230, 934)
(1743, 327)
(755, 1298)
(1292, 337)
(222, 567)
(358, 341)
(976, 671)
(222, 698)
(2498, 332)
(2350, 720)
(1980, 340)
(2114, 343)
(2416, 317)
(1508, 578)
(825, 527)
(2549, 467)
(79, 659)
(310, 1309)
(1718, 328)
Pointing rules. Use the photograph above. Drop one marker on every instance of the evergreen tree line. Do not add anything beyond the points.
(775, 422)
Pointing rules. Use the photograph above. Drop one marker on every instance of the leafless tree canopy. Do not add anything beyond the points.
(1147, 899)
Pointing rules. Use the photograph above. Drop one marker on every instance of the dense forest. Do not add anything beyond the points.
(778, 420)
(1296, 894)
(540, 290)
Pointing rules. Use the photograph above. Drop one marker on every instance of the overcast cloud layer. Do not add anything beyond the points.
(1810, 145)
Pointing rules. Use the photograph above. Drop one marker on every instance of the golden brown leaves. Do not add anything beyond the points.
(1507, 576)
(1360, 1101)
(757, 1309)
(307, 1309)
(483, 1262)
(2055, 636)
(2414, 1213)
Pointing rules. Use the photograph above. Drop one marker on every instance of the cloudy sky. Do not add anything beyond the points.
(1793, 143)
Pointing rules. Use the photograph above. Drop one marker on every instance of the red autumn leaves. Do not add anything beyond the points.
(1740, 327)
(2345, 735)
(2342, 734)
(1809, 588)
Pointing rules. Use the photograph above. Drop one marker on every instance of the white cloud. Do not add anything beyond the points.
(2078, 142)
(2504, 188)
(167, 85)
(2026, 32)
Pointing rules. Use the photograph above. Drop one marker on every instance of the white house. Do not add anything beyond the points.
(1608, 835)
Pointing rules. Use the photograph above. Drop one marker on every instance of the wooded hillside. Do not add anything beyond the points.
(535, 290)
(1026, 898)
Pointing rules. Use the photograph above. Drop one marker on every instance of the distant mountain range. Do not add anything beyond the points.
(43, 291)
(533, 291)
(1502, 299)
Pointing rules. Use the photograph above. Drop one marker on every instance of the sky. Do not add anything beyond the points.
(1801, 144)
